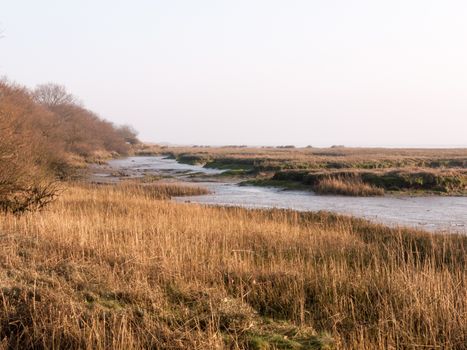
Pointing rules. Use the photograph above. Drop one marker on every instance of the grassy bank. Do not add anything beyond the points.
(452, 182)
(115, 267)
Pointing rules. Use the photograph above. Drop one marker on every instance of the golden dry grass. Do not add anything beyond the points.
(112, 268)
(300, 153)
(361, 157)
(155, 190)
(347, 187)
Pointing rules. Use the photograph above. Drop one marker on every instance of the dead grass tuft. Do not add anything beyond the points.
(347, 187)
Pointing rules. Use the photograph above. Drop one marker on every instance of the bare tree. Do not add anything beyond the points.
(53, 95)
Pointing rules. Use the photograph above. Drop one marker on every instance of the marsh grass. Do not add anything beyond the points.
(352, 186)
(275, 159)
(153, 189)
(405, 171)
(115, 268)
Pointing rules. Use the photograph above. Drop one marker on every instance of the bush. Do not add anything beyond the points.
(30, 198)
(42, 134)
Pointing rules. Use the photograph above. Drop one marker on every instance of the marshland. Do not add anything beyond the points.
(99, 256)
(100, 260)
(353, 171)
(248, 175)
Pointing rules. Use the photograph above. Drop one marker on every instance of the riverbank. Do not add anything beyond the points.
(110, 267)
(371, 183)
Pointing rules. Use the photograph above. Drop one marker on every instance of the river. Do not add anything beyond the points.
(432, 213)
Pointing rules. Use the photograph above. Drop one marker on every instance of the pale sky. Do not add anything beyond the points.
(303, 72)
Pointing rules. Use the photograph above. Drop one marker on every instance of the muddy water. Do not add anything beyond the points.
(431, 213)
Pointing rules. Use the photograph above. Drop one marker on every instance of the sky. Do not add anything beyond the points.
(255, 72)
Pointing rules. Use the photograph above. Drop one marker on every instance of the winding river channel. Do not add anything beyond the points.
(432, 213)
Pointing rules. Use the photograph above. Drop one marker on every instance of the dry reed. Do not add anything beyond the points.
(112, 268)
(347, 187)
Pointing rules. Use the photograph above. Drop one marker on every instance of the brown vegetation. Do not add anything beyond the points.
(109, 267)
(156, 190)
(275, 159)
(347, 186)
(373, 170)
(79, 130)
(42, 135)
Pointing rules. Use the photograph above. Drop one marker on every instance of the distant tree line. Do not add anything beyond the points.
(44, 134)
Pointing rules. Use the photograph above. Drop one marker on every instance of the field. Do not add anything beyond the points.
(121, 267)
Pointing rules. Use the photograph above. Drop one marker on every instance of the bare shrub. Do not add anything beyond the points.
(33, 197)
(25, 152)
(42, 133)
